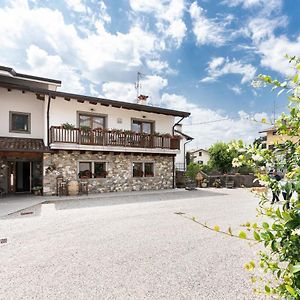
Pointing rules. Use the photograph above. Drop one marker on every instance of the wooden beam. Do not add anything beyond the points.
(67, 98)
(40, 97)
(80, 101)
(94, 103)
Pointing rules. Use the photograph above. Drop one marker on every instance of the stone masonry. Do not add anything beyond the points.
(119, 171)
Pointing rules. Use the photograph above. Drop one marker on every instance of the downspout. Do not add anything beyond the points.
(173, 157)
(48, 121)
(173, 128)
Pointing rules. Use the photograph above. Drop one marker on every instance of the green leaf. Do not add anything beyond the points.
(278, 214)
(296, 78)
(265, 225)
(267, 289)
(295, 268)
(242, 235)
(256, 236)
(290, 290)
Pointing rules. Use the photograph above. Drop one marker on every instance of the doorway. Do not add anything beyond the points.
(23, 176)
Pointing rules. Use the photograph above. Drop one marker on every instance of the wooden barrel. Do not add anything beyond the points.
(73, 188)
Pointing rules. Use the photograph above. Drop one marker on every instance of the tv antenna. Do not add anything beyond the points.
(138, 84)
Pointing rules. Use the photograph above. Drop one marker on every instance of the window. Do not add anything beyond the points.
(143, 169)
(91, 169)
(91, 121)
(142, 126)
(200, 153)
(149, 169)
(19, 122)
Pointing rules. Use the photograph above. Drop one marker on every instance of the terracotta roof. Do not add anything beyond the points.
(189, 138)
(22, 144)
(268, 129)
(15, 74)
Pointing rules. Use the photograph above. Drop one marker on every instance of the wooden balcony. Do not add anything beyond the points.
(111, 138)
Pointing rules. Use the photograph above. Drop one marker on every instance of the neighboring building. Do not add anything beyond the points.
(112, 145)
(271, 138)
(200, 156)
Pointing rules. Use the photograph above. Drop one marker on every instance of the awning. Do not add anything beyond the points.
(22, 145)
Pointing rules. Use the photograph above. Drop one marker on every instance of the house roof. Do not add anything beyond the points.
(189, 138)
(95, 100)
(22, 144)
(27, 76)
(268, 129)
(193, 151)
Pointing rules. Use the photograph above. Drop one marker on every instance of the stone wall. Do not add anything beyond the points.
(119, 168)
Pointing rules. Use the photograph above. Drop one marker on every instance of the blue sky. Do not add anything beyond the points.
(199, 56)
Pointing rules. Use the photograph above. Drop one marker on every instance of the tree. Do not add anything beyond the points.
(221, 157)
(188, 158)
(280, 231)
(192, 170)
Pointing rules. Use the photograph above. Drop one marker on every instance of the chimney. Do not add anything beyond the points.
(142, 99)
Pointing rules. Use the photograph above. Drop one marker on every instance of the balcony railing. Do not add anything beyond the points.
(99, 137)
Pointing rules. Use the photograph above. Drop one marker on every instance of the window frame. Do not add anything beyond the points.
(143, 167)
(91, 115)
(151, 122)
(92, 162)
(11, 113)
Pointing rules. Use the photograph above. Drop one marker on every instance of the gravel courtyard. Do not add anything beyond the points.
(129, 247)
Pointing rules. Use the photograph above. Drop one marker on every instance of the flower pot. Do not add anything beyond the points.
(73, 188)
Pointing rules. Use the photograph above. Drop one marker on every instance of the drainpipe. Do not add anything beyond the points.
(173, 128)
(184, 161)
(173, 158)
(48, 122)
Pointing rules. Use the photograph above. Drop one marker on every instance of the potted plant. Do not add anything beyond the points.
(67, 126)
(37, 190)
(85, 128)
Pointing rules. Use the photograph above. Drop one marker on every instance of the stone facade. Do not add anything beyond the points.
(119, 171)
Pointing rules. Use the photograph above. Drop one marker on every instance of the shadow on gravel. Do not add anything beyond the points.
(104, 200)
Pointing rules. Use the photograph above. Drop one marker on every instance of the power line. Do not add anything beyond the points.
(225, 119)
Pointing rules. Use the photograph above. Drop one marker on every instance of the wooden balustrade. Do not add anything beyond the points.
(99, 137)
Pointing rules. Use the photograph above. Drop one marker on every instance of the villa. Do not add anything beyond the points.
(110, 145)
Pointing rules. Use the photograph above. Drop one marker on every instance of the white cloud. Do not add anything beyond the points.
(149, 85)
(265, 6)
(76, 5)
(44, 64)
(236, 89)
(208, 31)
(168, 14)
(206, 134)
(273, 51)
(220, 66)
(99, 56)
(261, 28)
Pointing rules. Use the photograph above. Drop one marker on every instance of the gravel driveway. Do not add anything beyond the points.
(134, 248)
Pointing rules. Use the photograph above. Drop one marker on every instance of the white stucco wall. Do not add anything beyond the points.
(62, 111)
(27, 103)
(204, 158)
(179, 158)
